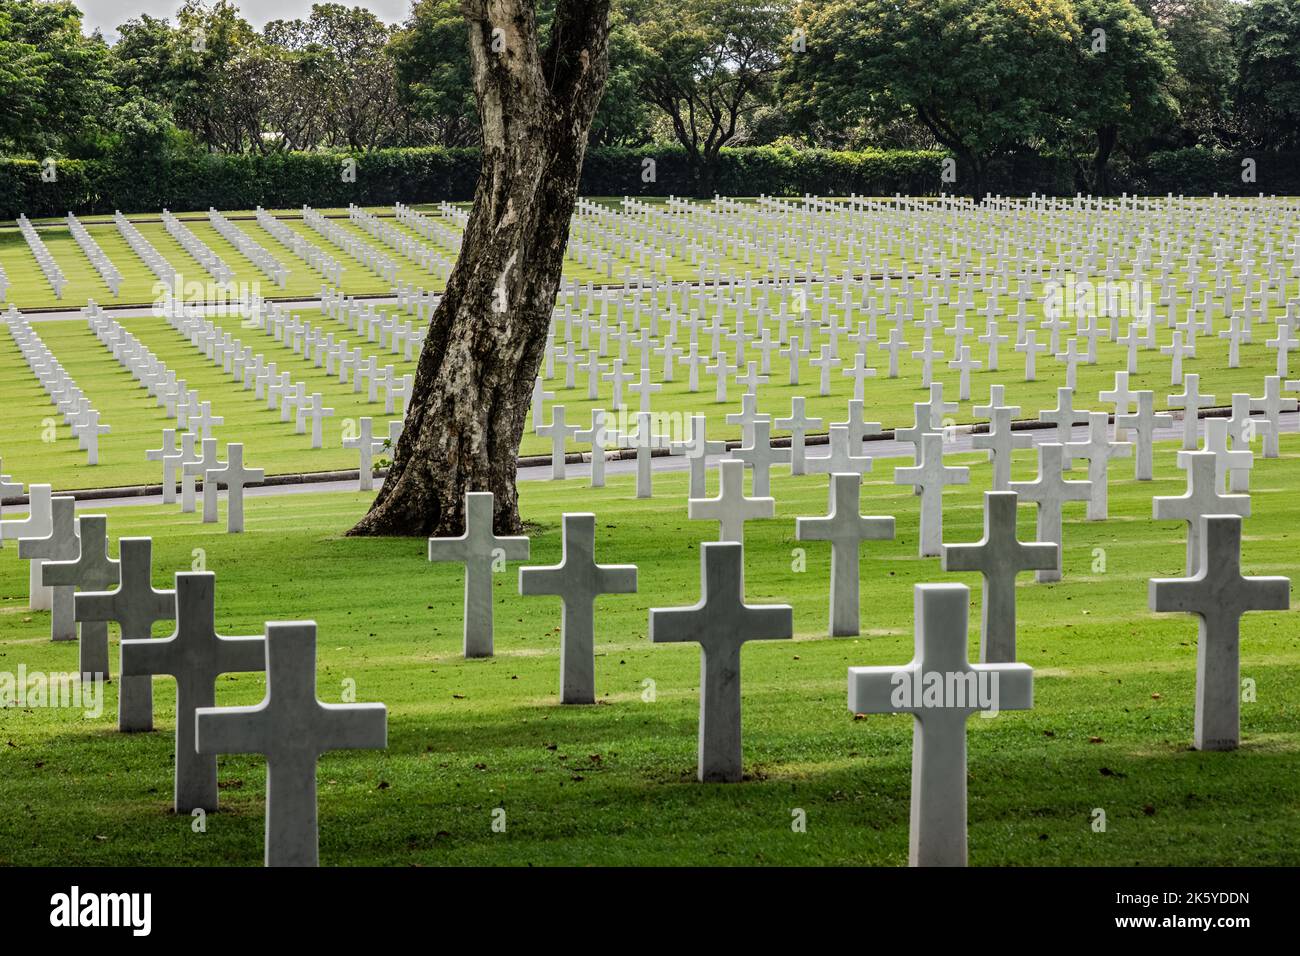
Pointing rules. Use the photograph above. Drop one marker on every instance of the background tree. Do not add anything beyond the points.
(707, 64)
(537, 96)
(1120, 84)
(56, 82)
(1201, 35)
(342, 57)
(984, 77)
(1268, 91)
(431, 57)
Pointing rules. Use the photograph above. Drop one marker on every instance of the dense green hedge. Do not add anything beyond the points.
(1200, 171)
(197, 181)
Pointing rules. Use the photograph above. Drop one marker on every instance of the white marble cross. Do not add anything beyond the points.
(578, 580)
(720, 623)
(233, 476)
(645, 440)
(697, 449)
(1202, 497)
(559, 432)
(730, 507)
(38, 524)
(1227, 462)
(797, 424)
(1098, 449)
(1272, 404)
(859, 372)
(366, 445)
(999, 556)
(482, 553)
(292, 728)
(747, 417)
(1144, 422)
(1001, 442)
(841, 458)
(1050, 491)
(315, 410)
(964, 364)
(931, 476)
(92, 570)
(1031, 347)
(941, 689)
(760, 455)
(595, 436)
(196, 655)
(1064, 416)
(1190, 400)
(1218, 594)
(59, 544)
(135, 605)
(1121, 396)
(845, 528)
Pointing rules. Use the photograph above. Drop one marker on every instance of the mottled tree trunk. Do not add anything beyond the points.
(486, 338)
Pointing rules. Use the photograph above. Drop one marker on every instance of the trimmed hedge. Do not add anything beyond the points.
(196, 181)
(1200, 171)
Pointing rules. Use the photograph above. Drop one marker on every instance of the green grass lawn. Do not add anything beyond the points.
(614, 783)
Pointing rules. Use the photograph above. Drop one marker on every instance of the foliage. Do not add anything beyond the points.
(989, 82)
(1269, 85)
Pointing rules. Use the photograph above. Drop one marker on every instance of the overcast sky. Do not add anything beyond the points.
(106, 15)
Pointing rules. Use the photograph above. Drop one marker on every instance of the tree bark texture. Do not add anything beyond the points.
(486, 338)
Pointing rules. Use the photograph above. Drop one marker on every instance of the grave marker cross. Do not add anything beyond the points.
(578, 580)
(480, 550)
(721, 623)
(999, 556)
(292, 728)
(941, 689)
(1219, 595)
(844, 527)
(195, 655)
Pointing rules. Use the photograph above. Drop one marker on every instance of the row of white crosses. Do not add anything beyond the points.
(363, 252)
(4, 284)
(194, 458)
(399, 337)
(250, 249)
(432, 228)
(325, 351)
(414, 300)
(48, 264)
(171, 393)
(111, 275)
(182, 460)
(78, 413)
(212, 263)
(278, 388)
(306, 250)
(429, 259)
(158, 263)
(1099, 324)
(938, 832)
(88, 590)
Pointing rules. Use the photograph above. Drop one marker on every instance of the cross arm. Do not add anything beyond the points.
(147, 656)
(351, 727)
(872, 690)
(233, 730)
(616, 578)
(1178, 594)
